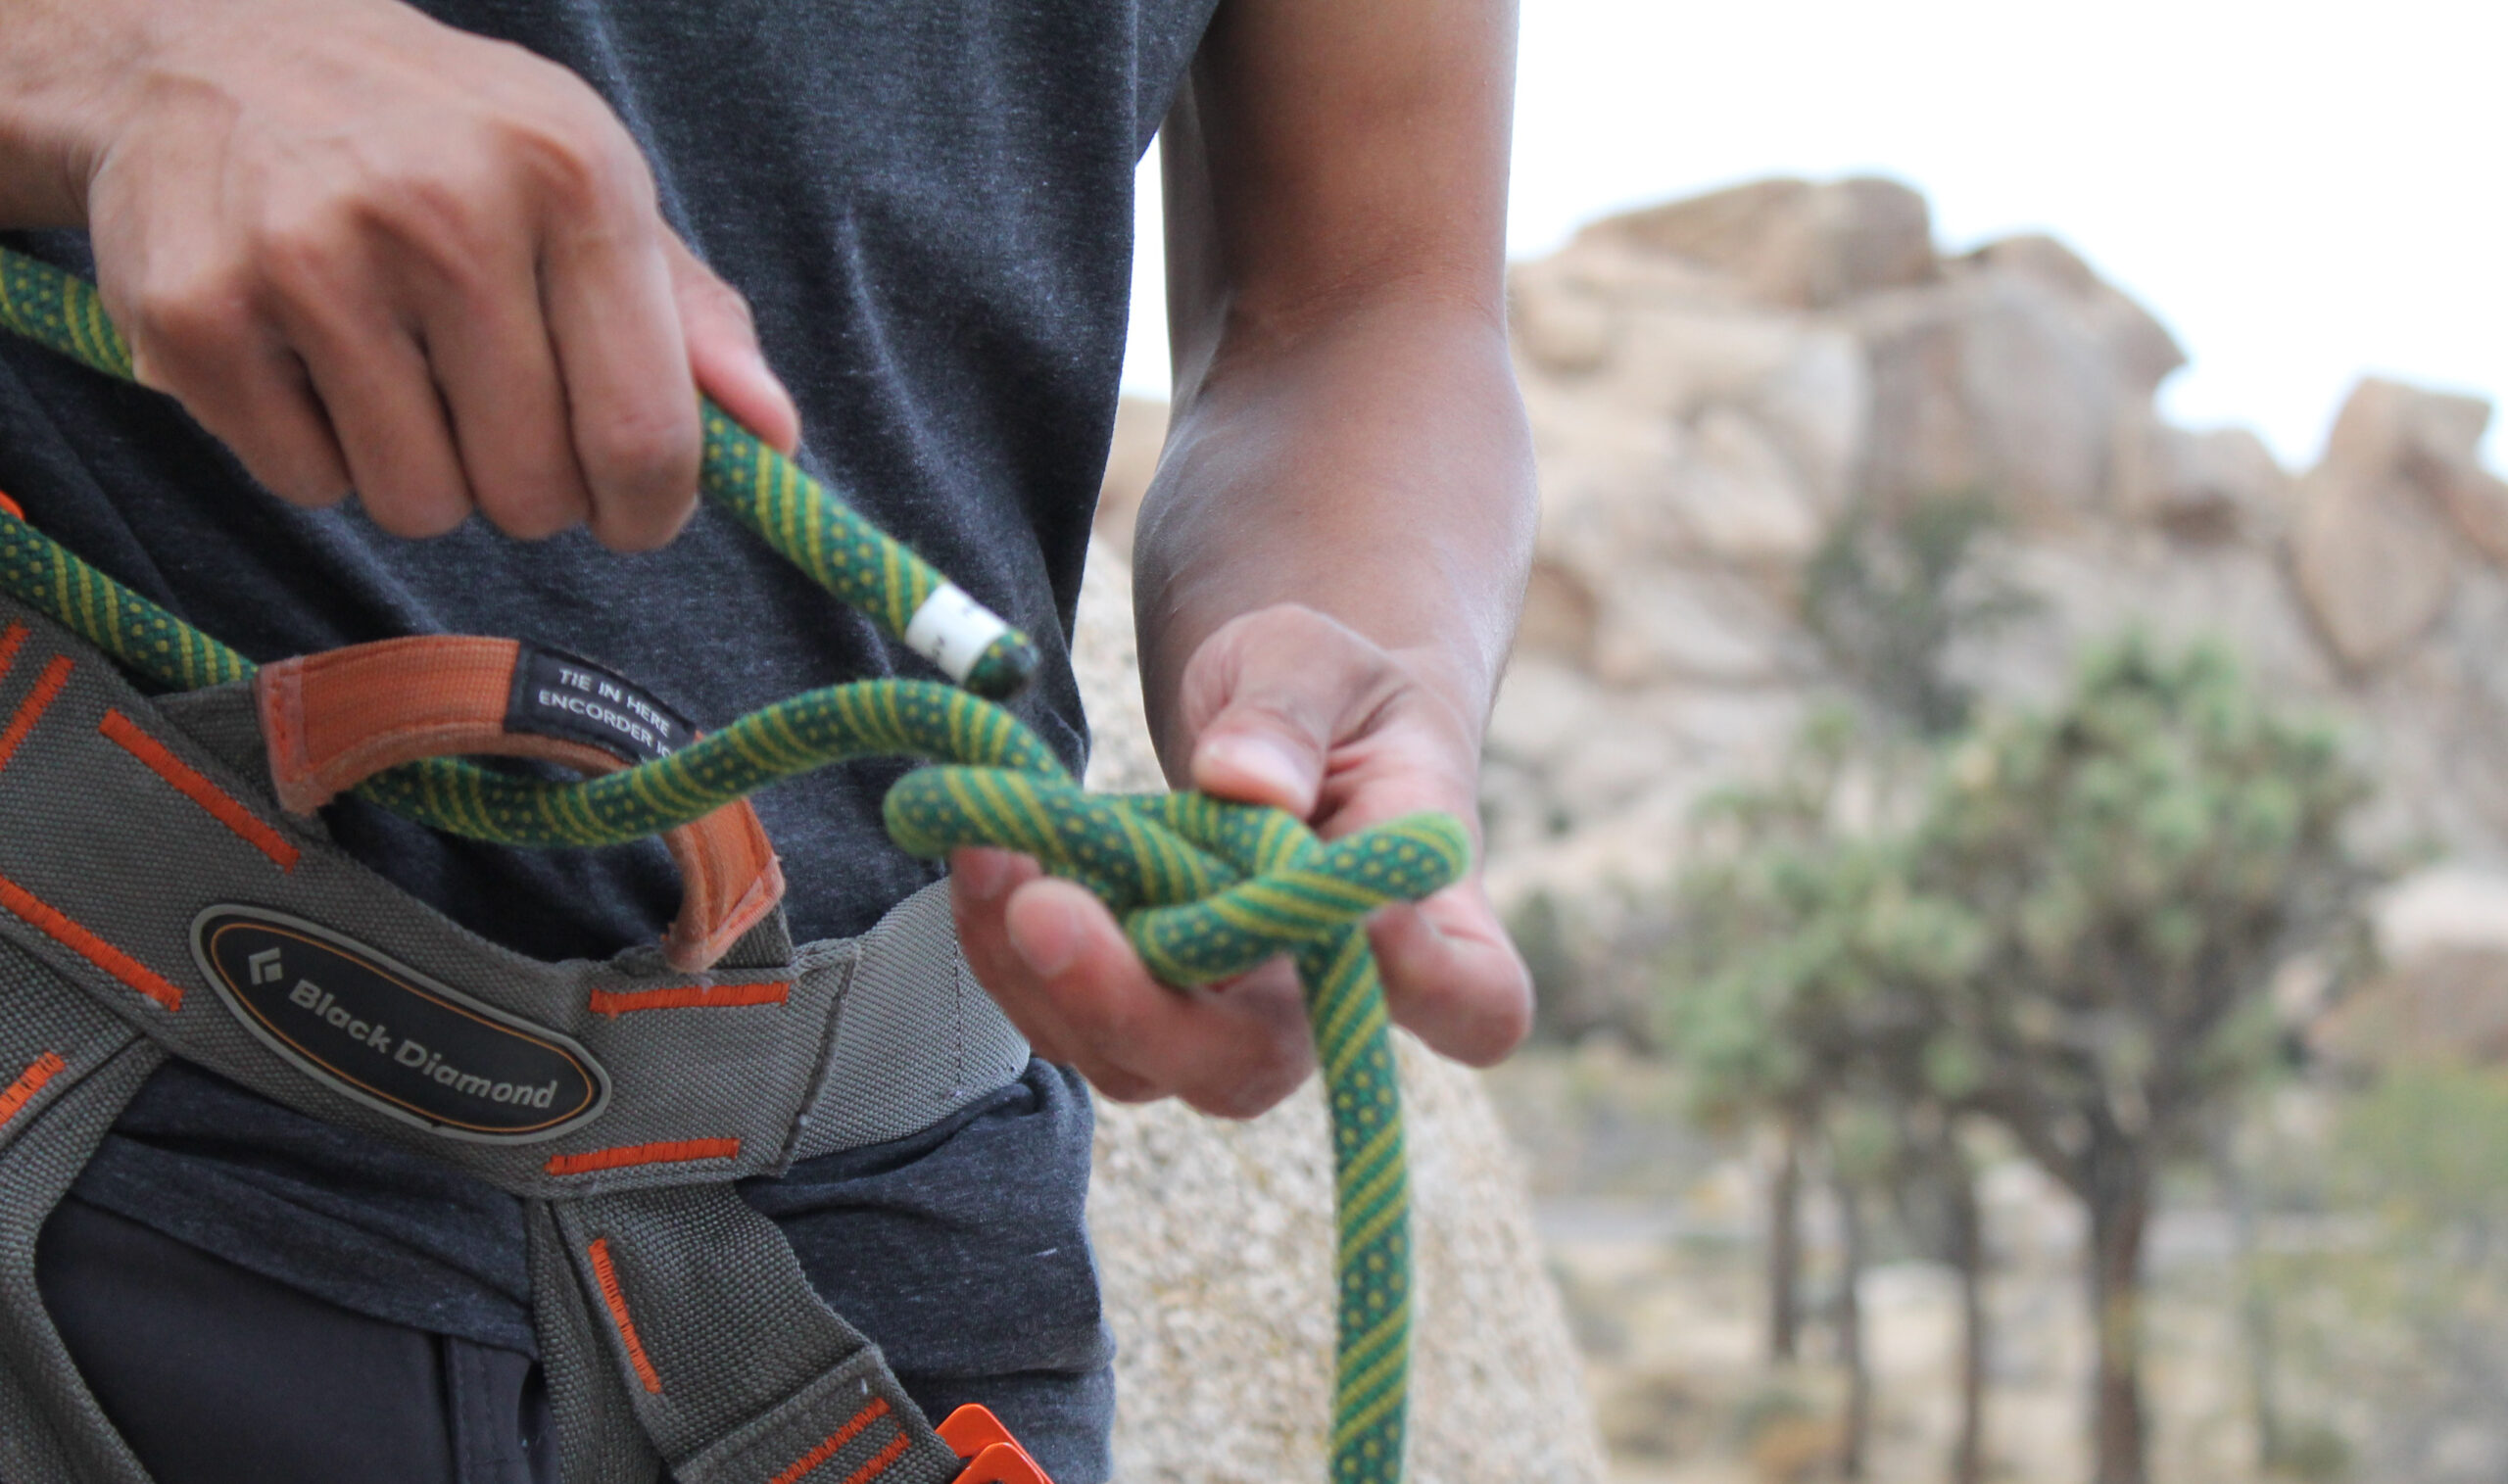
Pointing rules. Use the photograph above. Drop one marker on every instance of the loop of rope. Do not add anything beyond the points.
(1205, 889)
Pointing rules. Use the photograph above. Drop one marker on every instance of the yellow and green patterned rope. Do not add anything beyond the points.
(1205, 889)
(796, 514)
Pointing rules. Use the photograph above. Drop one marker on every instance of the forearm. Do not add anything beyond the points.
(1328, 565)
(1374, 466)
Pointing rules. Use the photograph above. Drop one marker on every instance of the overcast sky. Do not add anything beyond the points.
(2304, 192)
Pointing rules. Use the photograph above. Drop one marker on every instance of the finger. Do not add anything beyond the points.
(381, 399)
(1400, 770)
(1452, 976)
(196, 334)
(981, 882)
(1231, 1051)
(492, 359)
(1277, 689)
(261, 403)
(724, 353)
(630, 393)
(1104, 1060)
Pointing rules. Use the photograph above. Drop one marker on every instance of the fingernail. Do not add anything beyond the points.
(1264, 760)
(1047, 938)
(764, 379)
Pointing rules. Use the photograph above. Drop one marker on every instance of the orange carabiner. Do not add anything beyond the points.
(993, 1455)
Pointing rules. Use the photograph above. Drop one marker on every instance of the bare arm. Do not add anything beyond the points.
(1330, 561)
(1347, 432)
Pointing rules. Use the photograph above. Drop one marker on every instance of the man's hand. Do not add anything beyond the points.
(1287, 707)
(1328, 565)
(368, 251)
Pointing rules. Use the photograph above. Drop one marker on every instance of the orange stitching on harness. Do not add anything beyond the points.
(195, 785)
(826, 1450)
(670, 1151)
(607, 1277)
(10, 638)
(879, 1461)
(88, 946)
(23, 1091)
(688, 997)
(38, 701)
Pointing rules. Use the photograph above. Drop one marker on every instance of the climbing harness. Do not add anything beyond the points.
(619, 1099)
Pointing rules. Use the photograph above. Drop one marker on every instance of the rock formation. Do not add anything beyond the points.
(1711, 382)
(2443, 995)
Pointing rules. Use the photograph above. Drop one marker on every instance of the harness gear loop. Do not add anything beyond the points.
(1205, 887)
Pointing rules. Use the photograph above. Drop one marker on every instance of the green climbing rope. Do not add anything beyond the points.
(791, 511)
(1205, 889)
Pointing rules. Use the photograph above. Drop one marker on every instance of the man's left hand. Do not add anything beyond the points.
(1283, 706)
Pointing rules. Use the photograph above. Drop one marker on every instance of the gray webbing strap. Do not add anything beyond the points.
(50, 1425)
(735, 1367)
(911, 991)
(600, 1440)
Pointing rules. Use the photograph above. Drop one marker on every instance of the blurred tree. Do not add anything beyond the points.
(2140, 862)
(1861, 1159)
(2073, 937)
(1888, 596)
(1933, 1185)
(1757, 1055)
(1803, 990)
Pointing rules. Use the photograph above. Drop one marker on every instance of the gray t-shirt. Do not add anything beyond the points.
(929, 208)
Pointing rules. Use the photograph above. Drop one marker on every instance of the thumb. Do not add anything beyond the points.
(724, 354)
(1256, 755)
(1276, 687)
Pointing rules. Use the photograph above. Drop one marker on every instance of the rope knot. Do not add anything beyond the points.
(1206, 888)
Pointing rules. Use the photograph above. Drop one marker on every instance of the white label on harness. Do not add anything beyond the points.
(952, 630)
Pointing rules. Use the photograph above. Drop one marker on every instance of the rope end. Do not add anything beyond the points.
(1005, 667)
(972, 642)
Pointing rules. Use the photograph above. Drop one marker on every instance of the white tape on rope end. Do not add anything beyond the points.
(952, 630)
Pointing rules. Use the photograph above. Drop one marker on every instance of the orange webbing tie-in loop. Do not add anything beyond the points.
(335, 719)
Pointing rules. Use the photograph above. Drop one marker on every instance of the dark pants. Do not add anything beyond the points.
(962, 1249)
(217, 1375)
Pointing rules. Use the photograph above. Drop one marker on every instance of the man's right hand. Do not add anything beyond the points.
(370, 251)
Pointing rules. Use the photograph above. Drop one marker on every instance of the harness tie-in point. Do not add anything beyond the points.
(1205, 889)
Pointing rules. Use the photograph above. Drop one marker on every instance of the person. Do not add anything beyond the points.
(474, 261)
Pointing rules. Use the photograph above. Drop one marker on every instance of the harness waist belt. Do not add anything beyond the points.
(141, 860)
(154, 899)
